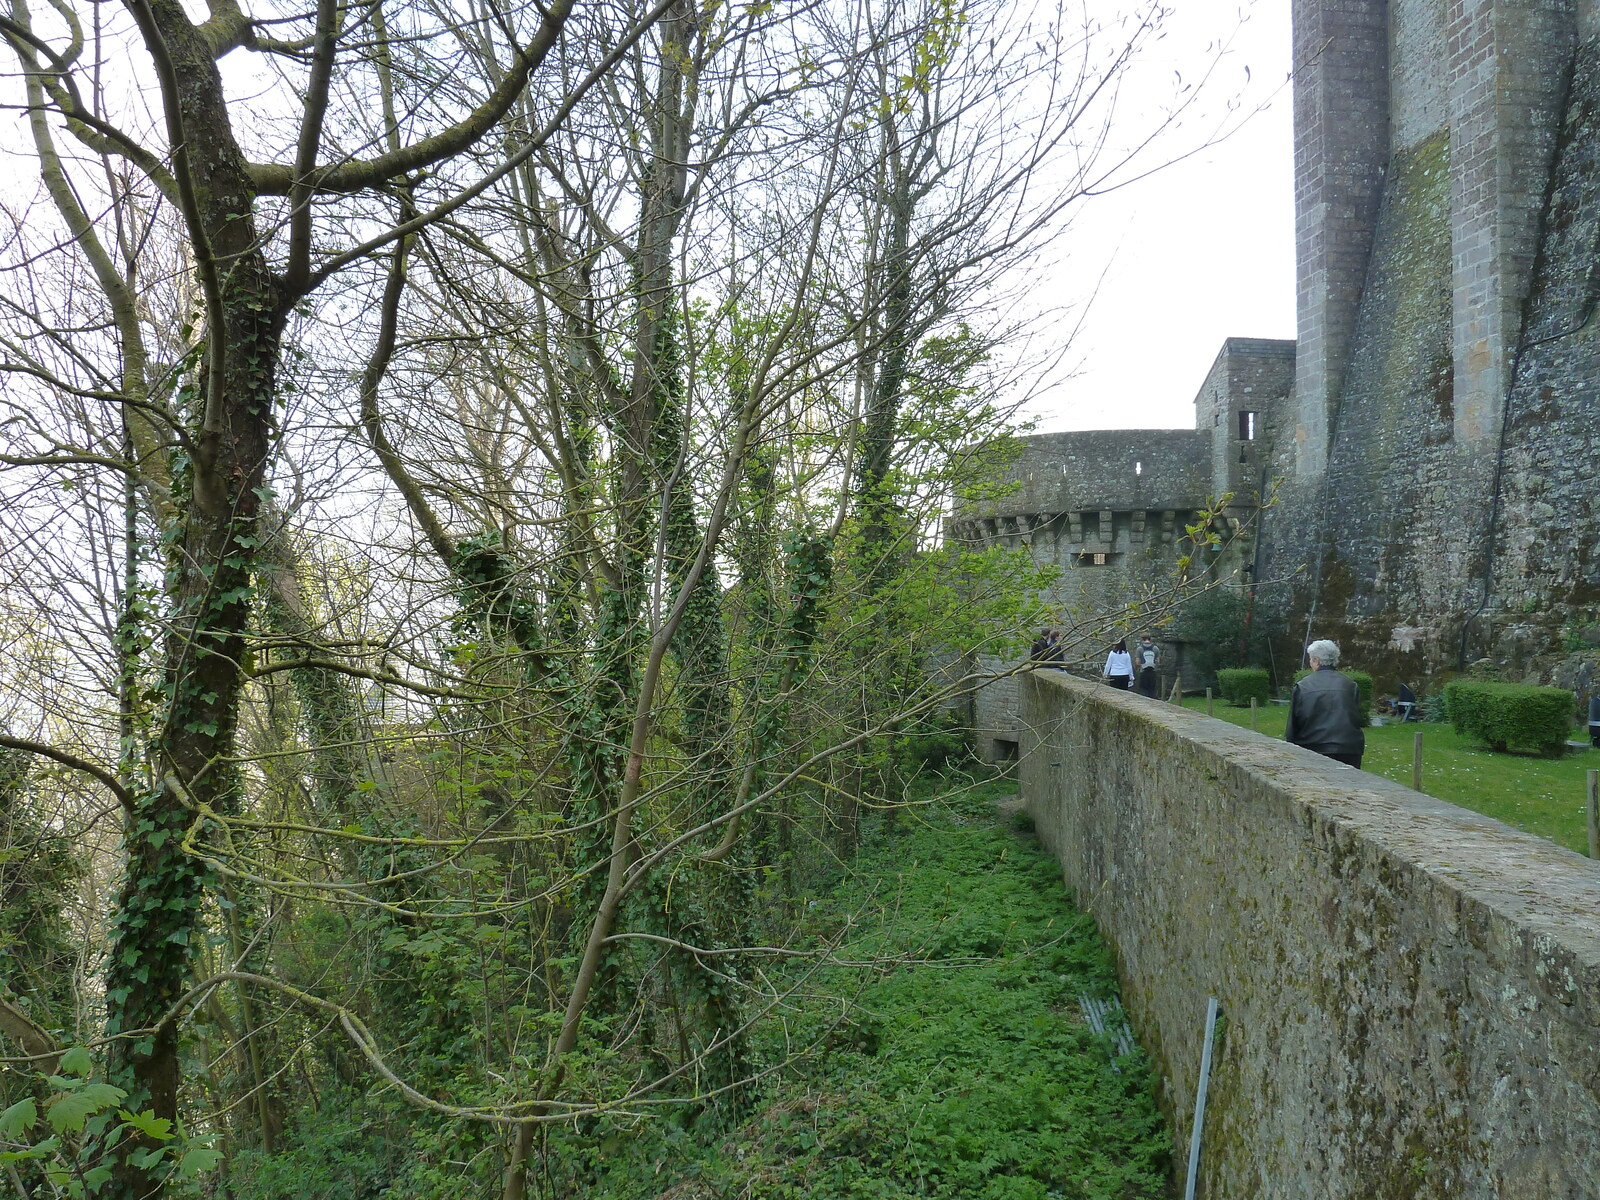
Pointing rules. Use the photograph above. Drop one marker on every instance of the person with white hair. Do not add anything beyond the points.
(1325, 710)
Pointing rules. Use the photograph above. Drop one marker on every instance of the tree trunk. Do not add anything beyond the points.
(208, 591)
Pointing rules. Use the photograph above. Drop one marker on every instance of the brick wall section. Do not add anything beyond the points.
(1419, 102)
(1411, 991)
(1341, 139)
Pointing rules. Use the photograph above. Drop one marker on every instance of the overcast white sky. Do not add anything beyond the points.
(1202, 251)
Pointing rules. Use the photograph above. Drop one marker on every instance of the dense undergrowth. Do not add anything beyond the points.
(949, 1061)
(932, 1048)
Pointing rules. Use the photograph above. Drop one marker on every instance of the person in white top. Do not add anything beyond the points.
(1119, 667)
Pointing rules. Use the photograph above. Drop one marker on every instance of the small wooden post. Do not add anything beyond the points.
(1416, 761)
(1209, 713)
(1252, 714)
(1177, 691)
(1594, 814)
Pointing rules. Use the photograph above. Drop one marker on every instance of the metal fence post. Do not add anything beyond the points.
(1201, 1087)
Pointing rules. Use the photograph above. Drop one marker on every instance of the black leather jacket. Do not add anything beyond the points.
(1325, 714)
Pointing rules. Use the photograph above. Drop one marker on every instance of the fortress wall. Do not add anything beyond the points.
(1341, 142)
(1392, 545)
(1103, 602)
(1119, 469)
(1410, 991)
(1506, 73)
(1548, 546)
(1419, 96)
(1388, 506)
(1124, 495)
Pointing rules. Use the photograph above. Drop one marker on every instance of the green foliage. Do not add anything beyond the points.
(1240, 685)
(38, 878)
(345, 1152)
(1507, 715)
(1218, 632)
(1363, 684)
(62, 1143)
(947, 1067)
(1579, 638)
(938, 740)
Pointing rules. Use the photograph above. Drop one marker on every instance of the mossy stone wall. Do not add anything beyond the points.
(1411, 991)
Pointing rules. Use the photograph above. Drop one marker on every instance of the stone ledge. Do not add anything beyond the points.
(1412, 989)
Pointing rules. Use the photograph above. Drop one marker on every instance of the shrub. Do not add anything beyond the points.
(1363, 683)
(936, 742)
(1218, 632)
(1507, 715)
(1239, 685)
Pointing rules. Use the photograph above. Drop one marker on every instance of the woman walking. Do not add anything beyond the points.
(1119, 666)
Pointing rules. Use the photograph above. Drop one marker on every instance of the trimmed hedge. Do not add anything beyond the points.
(1363, 684)
(1239, 685)
(1507, 715)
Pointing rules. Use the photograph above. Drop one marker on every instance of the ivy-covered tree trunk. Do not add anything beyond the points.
(876, 545)
(208, 585)
(329, 706)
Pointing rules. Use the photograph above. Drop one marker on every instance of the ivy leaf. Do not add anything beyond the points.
(68, 1114)
(18, 1119)
(28, 1155)
(145, 1159)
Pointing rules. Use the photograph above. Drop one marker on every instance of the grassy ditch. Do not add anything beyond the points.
(1539, 795)
(944, 1052)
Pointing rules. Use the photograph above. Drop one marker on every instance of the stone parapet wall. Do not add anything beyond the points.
(1090, 470)
(1411, 991)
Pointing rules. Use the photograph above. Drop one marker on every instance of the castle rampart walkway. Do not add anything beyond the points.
(1411, 991)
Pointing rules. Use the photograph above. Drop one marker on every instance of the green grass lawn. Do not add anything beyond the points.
(1540, 795)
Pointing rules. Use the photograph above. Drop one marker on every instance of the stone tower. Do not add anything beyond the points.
(1441, 501)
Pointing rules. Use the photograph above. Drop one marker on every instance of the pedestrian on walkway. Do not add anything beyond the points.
(1325, 709)
(1148, 659)
(1119, 666)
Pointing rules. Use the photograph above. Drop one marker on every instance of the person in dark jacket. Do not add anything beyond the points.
(1044, 648)
(1325, 710)
(1147, 661)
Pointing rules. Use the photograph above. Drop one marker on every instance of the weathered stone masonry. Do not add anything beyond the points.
(1433, 381)
(1411, 991)
(1111, 509)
